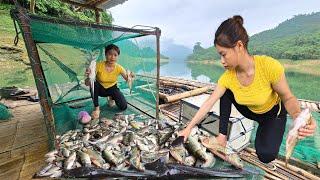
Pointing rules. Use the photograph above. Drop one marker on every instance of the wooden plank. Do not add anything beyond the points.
(7, 137)
(11, 169)
(81, 5)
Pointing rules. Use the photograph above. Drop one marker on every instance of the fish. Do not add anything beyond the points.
(208, 163)
(70, 160)
(135, 159)
(85, 158)
(110, 157)
(44, 169)
(190, 160)
(49, 172)
(303, 119)
(51, 154)
(125, 141)
(196, 148)
(95, 157)
(179, 153)
(92, 60)
(212, 145)
(130, 80)
(136, 125)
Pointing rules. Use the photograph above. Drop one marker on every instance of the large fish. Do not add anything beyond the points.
(302, 120)
(220, 151)
(130, 80)
(92, 61)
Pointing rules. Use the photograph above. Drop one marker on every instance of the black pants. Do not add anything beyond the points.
(113, 91)
(270, 130)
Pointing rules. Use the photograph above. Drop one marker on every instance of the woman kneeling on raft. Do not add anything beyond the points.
(107, 73)
(256, 86)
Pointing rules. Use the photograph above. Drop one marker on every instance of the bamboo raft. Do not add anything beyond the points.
(24, 139)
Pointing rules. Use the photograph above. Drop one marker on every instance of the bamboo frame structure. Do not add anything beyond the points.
(23, 18)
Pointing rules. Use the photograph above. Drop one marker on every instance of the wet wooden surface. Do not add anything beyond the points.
(24, 141)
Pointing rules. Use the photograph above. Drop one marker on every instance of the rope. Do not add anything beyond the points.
(16, 38)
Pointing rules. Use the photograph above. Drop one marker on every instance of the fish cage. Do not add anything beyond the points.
(59, 52)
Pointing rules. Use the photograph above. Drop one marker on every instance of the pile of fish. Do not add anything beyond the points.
(125, 143)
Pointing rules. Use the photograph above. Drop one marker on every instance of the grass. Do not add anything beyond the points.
(7, 27)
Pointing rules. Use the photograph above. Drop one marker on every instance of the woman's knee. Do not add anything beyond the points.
(267, 157)
(123, 105)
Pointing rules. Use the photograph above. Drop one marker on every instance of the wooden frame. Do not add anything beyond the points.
(20, 15)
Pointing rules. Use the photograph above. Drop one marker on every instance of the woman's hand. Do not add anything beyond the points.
(307, 130)
(222, 140)
(185, 133)
(88, 71)
(87, 82)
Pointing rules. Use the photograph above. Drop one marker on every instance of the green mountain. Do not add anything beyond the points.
(296, 38)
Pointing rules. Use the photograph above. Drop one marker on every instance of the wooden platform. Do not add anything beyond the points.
(24, 141)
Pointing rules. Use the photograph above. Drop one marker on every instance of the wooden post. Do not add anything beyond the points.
(98, 16)
(158, 33)
(186, 94)
(32, 5)
(38, 74)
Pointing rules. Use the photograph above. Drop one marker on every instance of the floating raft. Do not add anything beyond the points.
(24, 139)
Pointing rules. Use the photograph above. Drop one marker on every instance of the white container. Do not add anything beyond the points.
(239, 127)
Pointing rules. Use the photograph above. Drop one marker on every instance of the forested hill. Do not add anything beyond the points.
(296, 38)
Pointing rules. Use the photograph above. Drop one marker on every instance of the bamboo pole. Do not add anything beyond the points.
(297, 174)
(258, 164)
(167, 104)
(181, 81)
(177, 85)
(32, 5)
(296, 162)
(158, 34)
(299, 170)
(194, 92)
(98, 16)
(170, 114)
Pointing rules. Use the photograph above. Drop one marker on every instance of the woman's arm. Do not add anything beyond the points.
(124, 75)
(204, 109)
(289, 100)
(292, 105)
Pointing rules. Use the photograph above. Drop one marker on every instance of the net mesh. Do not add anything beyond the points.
(64, 49)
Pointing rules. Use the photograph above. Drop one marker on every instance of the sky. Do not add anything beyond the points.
(186, 22)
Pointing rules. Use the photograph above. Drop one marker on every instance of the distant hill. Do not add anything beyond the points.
(131, 48)
(174, 51)
(296, 38)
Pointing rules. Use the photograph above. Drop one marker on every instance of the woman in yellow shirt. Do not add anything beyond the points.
(257, 87)
(107, 73)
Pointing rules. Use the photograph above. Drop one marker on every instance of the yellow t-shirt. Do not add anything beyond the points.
(259, 96)
(108, 79)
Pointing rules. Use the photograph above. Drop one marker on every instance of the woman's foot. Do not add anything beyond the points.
(96, 114)
(111, 102)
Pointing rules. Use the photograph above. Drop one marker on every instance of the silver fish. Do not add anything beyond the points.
(212, 145)
(196, 148)
(302, 120)
(91, 58)
(130, 80)
(85, 159)
(179, 153)
(135, 159)
(70, 161)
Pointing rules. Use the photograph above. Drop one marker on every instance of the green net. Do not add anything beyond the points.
(64, 49)
(4, 112)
